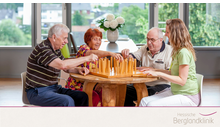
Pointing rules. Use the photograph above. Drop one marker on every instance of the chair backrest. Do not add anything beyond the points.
(73, 43)
(200, 83)
(24, 94)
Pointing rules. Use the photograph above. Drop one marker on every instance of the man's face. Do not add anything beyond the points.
(60, 41)
(153, 42)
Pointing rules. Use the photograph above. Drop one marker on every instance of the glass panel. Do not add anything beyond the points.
(50, 14)
(204, 23)
(15, 24)
(85, 16)
(167, 11)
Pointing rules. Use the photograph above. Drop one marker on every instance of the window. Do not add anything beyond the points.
(15, 24)
(85, 15)
(50, 14)
(204, 24)
(167, 11)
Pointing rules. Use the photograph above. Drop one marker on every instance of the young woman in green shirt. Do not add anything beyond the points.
(184, 89)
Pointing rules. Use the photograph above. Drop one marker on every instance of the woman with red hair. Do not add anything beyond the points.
(92, 38)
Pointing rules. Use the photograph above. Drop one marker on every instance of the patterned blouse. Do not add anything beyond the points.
(75, 84)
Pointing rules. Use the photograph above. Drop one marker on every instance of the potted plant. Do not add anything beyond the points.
(111, 25)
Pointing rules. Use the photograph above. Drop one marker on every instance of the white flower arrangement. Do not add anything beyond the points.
(111, 23)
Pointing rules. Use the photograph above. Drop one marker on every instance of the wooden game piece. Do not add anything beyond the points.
(120, 68)
(96, 66)
(103, 65)
(135, 62)
(132, 66)
(90, 66)
(108, 66)
(126, 64)
(115, 66)
(129, 66)
(100, 65)
(111, 63)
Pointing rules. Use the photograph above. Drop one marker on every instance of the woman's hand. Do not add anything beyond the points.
(152, 73)
(82, 70)
(145, 68)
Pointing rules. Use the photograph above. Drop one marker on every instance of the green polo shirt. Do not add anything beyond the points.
(184, 57)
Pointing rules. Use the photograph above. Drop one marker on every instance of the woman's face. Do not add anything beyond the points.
(167, 32)
(95, 42)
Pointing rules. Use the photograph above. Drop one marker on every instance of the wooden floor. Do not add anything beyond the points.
(11, 90)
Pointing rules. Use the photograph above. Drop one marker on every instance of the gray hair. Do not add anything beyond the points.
(58, 29)
(160, 33)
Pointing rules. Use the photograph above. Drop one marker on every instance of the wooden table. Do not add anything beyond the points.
(114, 89)
(118, 46)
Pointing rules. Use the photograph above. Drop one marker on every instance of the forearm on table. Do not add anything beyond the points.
(172, 78)
(164, 71)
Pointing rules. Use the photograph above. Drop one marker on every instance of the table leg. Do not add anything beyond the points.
(121, 93)
(88, 89)
(109, 95)
(141, 90)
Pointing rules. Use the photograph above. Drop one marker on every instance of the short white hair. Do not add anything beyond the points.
(160, 33)
(58, 29)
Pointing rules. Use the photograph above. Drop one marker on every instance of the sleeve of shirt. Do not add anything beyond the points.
(45, 57)
(138, 54)
(82, 51)
(184, 57)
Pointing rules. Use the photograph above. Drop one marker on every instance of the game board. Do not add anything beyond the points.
(114, 69)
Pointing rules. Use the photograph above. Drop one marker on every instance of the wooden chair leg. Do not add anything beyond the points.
(141, 90)
(88, 89)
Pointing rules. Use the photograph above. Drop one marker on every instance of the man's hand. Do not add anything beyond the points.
(144, 68)
(125, 53)
(92, 57)
(82, 70)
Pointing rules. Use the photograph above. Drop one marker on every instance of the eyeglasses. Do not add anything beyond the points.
(151, 39)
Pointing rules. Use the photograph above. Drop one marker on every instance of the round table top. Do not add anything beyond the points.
(124, 80)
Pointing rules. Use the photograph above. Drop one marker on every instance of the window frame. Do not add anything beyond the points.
(33, 22)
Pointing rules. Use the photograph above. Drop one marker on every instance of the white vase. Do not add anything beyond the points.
(112, 36)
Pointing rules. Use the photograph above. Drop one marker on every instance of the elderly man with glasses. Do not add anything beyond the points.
(154, 55)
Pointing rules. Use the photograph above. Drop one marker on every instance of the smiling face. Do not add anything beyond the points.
(154, 43)
(95, 42)
(59, 41)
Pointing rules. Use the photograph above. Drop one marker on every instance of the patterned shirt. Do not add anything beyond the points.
(75, 84)
(39, 74)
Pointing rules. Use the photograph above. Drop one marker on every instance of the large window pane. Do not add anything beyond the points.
(50, 14)
(204, 23)
(85, 15)
(15, 24)
(167, 11)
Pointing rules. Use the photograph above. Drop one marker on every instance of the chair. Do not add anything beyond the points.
(200, 83)
(24, 94)
(73, 43)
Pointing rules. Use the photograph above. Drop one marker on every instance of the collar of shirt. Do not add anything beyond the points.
(47, 42)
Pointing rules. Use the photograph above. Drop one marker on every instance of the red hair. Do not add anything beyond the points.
(90, 33)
